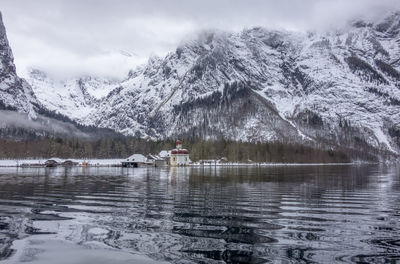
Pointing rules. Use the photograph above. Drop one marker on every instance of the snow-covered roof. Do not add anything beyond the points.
(137, 158)
(58, 160)
(154, 157)
(164, 154)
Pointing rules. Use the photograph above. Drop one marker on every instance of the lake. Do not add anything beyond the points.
(278, 214)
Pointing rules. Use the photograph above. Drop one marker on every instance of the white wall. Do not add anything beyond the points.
(179, 159)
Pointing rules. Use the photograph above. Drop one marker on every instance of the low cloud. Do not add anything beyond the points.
(69, 37)
(45, 124)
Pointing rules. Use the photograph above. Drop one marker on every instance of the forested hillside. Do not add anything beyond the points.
(47, 147)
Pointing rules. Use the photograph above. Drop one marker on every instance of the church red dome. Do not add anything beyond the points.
(179, 151)
(183, 151)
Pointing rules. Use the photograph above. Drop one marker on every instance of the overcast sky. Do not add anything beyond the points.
(108, 37)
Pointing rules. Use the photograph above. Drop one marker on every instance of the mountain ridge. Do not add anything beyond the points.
(15, 93)
(337, 88)
(23, 115)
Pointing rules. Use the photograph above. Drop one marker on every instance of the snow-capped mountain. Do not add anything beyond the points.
(339, 87)
(75, 98)
(15, 93)
(20, 107)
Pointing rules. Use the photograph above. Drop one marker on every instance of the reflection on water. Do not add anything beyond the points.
(322, 214)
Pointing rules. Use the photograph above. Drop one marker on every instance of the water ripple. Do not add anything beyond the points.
(307, 214)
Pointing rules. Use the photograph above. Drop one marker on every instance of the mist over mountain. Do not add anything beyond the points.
(336, 88)
(21, 109)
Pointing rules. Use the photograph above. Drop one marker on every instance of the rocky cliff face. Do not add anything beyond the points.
(333, 88)
(22, 114)
(15, 93)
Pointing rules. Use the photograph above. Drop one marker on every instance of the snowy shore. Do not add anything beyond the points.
(91, 162)
(117, 162)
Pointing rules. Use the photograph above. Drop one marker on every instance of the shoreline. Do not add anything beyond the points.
(96, 163)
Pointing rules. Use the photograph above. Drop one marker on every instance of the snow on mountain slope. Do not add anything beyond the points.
(15, 93)
(196, 70)
(340, 87)
(75, 98)
(22, 115)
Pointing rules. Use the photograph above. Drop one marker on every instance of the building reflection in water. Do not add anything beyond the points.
(206, 214)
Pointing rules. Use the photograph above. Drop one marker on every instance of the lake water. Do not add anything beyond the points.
(293, 214)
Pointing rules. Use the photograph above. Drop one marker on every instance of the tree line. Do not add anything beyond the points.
(235, 151)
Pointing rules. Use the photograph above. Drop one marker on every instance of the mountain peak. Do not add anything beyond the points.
(336, 89)
(15, 93)
(6, 56)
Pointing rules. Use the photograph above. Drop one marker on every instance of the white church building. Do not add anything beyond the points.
(179, 156)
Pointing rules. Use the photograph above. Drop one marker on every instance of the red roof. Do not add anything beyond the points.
(179, 151)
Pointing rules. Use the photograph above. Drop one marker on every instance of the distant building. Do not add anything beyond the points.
(208, 162)
(134, 161)
(223, 160)
(166, 155)
(53, 162)
(179, 156)
(156, 161)
(68, 163)
(176, 157)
